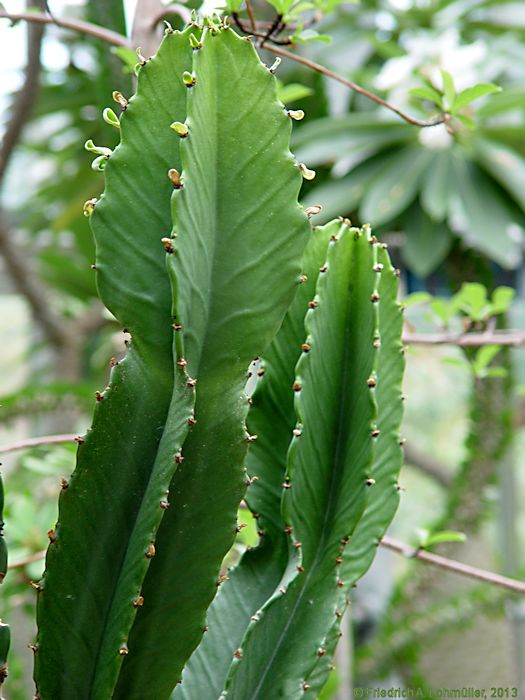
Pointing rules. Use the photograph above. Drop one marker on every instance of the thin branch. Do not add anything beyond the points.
(18, 266)
(441, 119)
(172, 10)
(451, 565)
(387, 542)
(37, 556)
(251, 15)
(28, 285)
(74, 25)
(36, 442)
(428, 465)
(260, 35)
(25, 98)
(119, 40)
(272, 29)
(511, 338)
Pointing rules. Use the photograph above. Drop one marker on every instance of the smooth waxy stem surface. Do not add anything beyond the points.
(236, 263)
(358, 327)
(97, 560)
(272, 419)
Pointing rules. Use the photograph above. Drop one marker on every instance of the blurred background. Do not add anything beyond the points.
(450, 202)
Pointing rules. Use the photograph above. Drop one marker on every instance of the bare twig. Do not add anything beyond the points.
(173, 10)
(428, 465)
(36, 442)
(73, 24)
(505, 337)
(25, 99)
(37, 556)
(24, 279)
(272, 29)
(249, 8)
(387, 542)
(119, 40)
(451, 565)
(145, 32)
(27, 283)
(441, 119)
(269, 43)
(260, 35)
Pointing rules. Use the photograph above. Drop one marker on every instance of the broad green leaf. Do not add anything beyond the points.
(336, 424)
(292, 92)
(472, 300)
(281, 6)
(435, 190)
(417, 298)
(345, 194)
(456, 362)
(127, 56)
(443, 536)
(68, 272)
(396, 187)
(504, 164)
(236, 263)
(501, 301)
(110, 76)
(511, 99)
(308, 35)
(495, 372)
(301, 7)
(86, 579)
(484, 357)
(427, 93)
(449, 90)
(465, 97)
(426, 244)
(443, 309)
(234, 5)
(482, 216)
(327, 140)
(272, 419)
(466, 121)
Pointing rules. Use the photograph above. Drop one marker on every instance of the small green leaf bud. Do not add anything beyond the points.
(275, 65)
(313, 210)
(109, 116)
(120, 99)
(188, 79)
(89, 206)
(181, 129)
(306, 172)
(99, 163)
(97, 150)
(194, 42)
(174, 177)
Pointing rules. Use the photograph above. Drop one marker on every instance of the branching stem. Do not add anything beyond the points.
(513, 338)
(441, 119)
(452, 565)
(36, 442)
(118, 40)
(75, 25)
